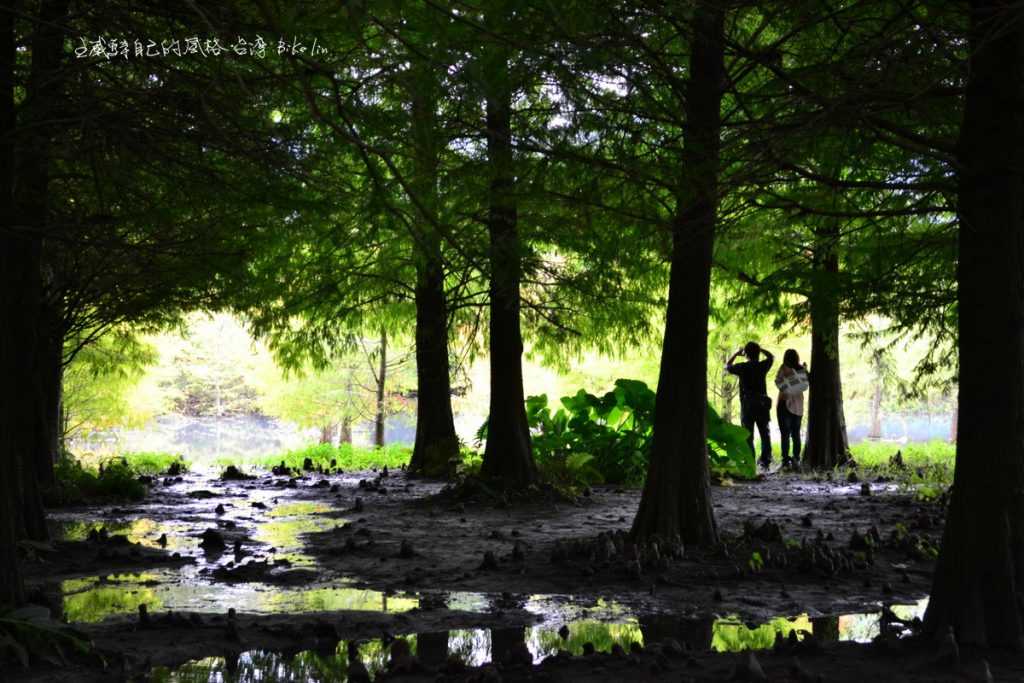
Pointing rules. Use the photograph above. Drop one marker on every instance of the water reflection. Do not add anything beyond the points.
(178, 536)
(475, 647)
(289, 523)
(94, 599)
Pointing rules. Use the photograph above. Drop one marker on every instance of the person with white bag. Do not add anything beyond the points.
(792, 380)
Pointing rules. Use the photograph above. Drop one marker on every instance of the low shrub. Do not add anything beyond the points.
(76, 483)
(592, 439)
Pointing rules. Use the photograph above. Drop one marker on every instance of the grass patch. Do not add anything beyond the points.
(346, 456)
(153, 463)
(926, 468)
(874, 453)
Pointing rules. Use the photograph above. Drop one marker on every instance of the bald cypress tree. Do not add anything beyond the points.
(979, 580)
(676, 499)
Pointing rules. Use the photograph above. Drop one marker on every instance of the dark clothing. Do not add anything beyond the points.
(752, 377)
(789, 425)
(757, 411)
(755, 404)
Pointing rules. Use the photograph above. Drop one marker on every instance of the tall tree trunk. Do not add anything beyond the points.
(327, 433)
(436, 441)
(13, 343)
(979, 577)
(875, 430)
(827, 443)
(694, 634)
(32, 205)
(506, 642)
(382, 378)
(729, 386)
(346, 431)
(954, 423)
(50, 381)
(676, 500)
(432, 648)
(508, 456)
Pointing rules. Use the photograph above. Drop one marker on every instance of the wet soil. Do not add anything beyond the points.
(305, 562)
(445, 547)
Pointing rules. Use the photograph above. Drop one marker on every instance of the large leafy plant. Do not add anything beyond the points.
(608, 438)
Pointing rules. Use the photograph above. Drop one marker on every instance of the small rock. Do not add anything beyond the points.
(357, 672)
(865, 489)
(406, 551)
(212, 540)
(402, 660)
(358, 506)
(219, 509)
(896, 461)
(519, 551)
(949, 651)
(672, 647)
(162, 541)
(748, 669)
(564, 632)
(143, 615)
(232, 473)
(490, 561)
(797, 670)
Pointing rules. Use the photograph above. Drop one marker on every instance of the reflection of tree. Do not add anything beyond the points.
(730, 635)
(694, 632)
(472, 647)
(433, 647)
(602, 635)
(505, 641)
(825, 628)
(96, 604)
(334, 599)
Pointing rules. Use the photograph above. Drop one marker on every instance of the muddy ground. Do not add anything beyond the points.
(480, 563)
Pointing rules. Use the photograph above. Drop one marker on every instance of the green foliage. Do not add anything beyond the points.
(208, 378)
(607, 439)
(756, 562)
(153, 463)
(76, 483)
(98, 385)
(348, 457)
(727, 447)
(341, 390)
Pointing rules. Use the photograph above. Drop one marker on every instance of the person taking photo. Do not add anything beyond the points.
(755, 403)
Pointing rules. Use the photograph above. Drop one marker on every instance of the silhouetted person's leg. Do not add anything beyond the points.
(747, 420)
